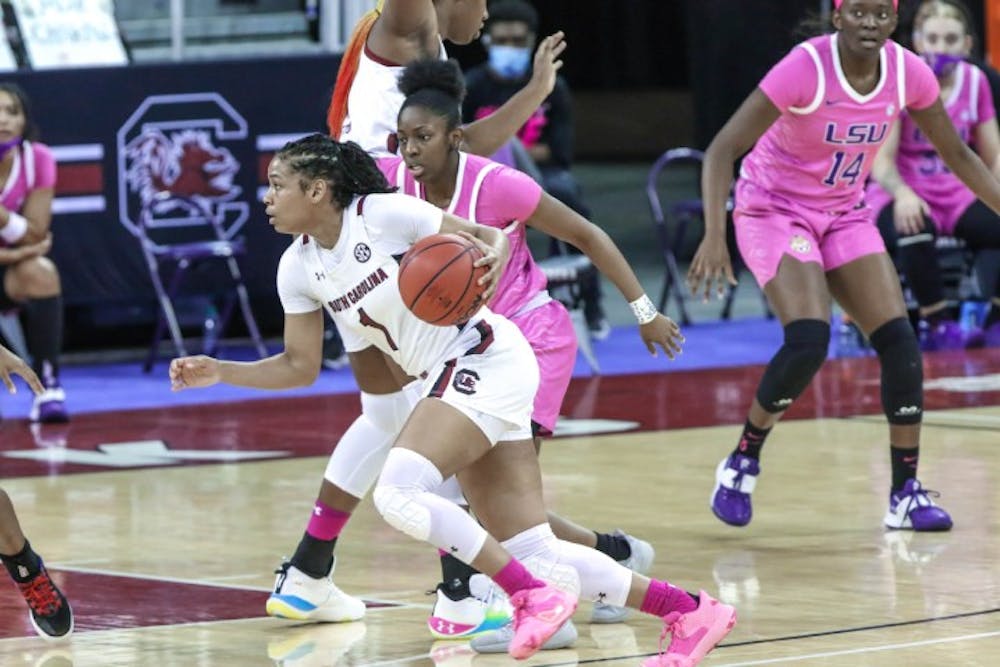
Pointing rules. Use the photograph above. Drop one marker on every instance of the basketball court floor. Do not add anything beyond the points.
(164, 520)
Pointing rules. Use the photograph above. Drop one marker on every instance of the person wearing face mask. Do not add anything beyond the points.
(30, 280)
(914, 195)
(548, 135)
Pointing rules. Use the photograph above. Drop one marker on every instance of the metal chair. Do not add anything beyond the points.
(679, 213)
(177, 259)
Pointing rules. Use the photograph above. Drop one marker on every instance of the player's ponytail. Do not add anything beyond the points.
(337, 111)
(436, 85)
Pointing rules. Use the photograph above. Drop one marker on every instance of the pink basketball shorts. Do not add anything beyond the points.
(768, 227)
(550, 333)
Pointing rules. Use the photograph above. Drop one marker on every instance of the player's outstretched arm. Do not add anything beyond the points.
(711, 264)
(560, 221)
(297, 365)
(487, 135)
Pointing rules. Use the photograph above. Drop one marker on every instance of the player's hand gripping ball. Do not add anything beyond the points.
(438, 281)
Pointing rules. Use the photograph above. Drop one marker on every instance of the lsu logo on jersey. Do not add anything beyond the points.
(855, 133)
(173, 167)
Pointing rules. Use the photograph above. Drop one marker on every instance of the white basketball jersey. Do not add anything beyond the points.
(356, 281)
(373, 104)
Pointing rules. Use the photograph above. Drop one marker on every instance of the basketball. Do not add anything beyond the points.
(438, 281)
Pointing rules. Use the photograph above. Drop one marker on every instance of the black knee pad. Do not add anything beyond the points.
(794, 365)
(902, 371)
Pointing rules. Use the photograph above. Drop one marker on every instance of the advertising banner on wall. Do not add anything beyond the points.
(202, 132)
(69, 33)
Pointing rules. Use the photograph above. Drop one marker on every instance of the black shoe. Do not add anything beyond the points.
(50, 614)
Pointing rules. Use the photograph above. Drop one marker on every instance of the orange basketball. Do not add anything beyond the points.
(438, 282)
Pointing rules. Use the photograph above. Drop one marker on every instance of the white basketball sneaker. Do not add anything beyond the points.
(457, 615)
(640, 560)
(299, 597)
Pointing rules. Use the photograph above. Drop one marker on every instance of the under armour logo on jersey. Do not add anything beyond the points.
(319, 276)
(22, 571)
(362, 252)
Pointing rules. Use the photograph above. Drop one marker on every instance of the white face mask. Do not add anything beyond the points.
(510, 62)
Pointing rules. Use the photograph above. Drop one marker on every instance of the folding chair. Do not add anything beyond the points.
(679, 169)
(176, 259)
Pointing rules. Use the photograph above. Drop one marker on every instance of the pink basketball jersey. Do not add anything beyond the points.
(820, 151)
(969, 104)
(489, 193)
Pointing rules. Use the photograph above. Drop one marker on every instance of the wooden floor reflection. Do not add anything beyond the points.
(171, 566)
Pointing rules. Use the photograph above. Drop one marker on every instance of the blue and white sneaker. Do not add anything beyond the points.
(299, 597)
(460, 613)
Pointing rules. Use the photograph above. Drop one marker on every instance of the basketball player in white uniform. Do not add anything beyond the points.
(474, 417)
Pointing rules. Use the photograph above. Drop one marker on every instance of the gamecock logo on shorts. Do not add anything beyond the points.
(173, 167)
(465, 381)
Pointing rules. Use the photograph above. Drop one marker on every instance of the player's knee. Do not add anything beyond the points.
(902, 371)
(405, 477)
(795, 364)
(400, 508)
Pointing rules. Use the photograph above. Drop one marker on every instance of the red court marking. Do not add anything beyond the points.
(109, 602)
(311, 426)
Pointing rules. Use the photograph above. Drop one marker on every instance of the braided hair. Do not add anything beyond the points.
(348, 169)
(436, 85)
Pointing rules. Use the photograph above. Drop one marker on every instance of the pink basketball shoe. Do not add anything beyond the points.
(538, 614)
(694, 634)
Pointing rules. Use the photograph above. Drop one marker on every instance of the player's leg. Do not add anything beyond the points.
(798, 296)
(505, 491)
(438, 441)
(868, 290)
(304, 589)
(49, 611)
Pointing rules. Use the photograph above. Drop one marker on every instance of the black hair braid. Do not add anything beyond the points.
(436, 85)
(348, 169)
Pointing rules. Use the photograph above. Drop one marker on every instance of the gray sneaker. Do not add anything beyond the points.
(640, 560)
(497, 641)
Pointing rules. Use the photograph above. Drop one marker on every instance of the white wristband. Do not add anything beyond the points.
(15, 229)
(643, 309)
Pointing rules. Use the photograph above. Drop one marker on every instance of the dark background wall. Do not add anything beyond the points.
(650, 74)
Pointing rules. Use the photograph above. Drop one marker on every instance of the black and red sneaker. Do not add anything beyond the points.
(50, 614)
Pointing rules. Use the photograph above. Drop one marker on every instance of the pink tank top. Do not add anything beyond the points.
(820, 151)
(489, 193)
(969, 104)
(34, 168)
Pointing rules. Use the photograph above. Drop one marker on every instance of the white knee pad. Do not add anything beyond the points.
(406, 476)
(390, 411)
(451, 490)
(357, 459)
(404, 499)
